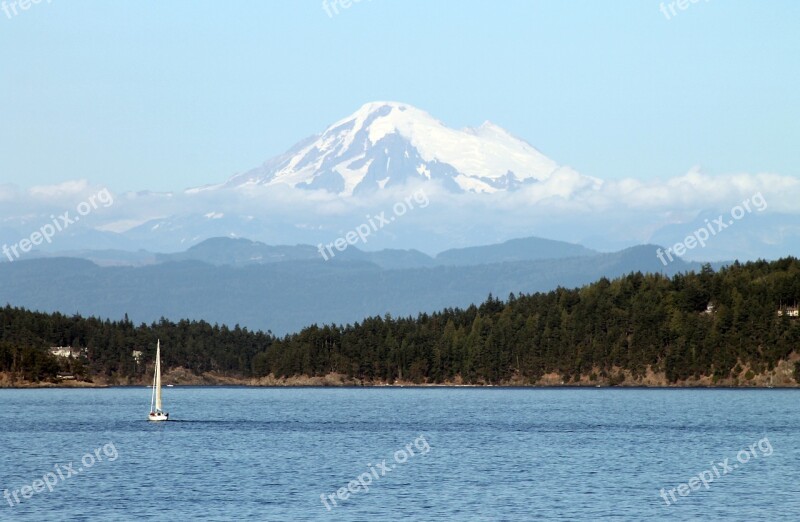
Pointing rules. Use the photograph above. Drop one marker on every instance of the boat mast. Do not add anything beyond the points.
(157, 384)
(155, 376)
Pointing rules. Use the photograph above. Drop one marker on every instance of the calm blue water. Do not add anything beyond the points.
(478, 454)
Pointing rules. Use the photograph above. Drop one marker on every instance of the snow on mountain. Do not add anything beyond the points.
(384, 144)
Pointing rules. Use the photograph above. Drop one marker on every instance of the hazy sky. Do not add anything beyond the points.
(168, 95)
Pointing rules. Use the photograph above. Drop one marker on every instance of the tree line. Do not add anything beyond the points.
(690, 325)
(198, 346)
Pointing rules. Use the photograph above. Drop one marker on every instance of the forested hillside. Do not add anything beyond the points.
(691, 325)
(194, 345)
(631, 323)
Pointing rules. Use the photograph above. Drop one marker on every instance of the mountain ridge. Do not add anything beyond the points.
(385, 144)
(289, 295)
(242, 251)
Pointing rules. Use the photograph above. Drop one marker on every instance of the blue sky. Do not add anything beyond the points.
(169, 95)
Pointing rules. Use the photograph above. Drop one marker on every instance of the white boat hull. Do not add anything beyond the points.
(159, 416)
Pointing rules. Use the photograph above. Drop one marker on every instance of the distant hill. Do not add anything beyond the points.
(286, 295)
(526, 249)
(239, 252)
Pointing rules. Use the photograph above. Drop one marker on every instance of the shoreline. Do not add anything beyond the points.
(46, 386)
(758, 382)
(782, 376)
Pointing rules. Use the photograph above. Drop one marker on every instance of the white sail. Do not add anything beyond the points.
(157, 384)
(153, 389)
(156, 412)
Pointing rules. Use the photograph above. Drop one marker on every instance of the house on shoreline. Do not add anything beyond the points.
(68, 351)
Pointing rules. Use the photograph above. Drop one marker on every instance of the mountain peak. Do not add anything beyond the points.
(387, 143)
(375, 106)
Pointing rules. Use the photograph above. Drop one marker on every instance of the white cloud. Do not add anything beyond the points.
(604, 214)
(60, 191)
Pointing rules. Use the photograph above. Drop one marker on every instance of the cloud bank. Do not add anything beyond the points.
(602, 214)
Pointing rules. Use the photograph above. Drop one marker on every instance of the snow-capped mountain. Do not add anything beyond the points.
(361, 165)
(387, 143)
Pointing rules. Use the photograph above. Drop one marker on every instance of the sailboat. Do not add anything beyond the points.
(156, 413)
